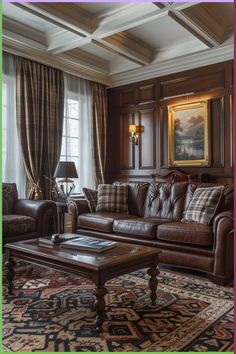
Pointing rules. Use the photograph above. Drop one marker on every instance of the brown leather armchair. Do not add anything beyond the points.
(24, 219)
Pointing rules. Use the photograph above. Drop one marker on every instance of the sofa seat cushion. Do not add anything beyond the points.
(17, 225)
(137, 228)
(101, 221)
(188, 233)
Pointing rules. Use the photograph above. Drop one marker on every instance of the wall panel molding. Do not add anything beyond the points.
(127, 149)
(147, 146)
(212, 83)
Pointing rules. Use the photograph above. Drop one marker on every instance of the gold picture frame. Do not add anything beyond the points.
(188, 134)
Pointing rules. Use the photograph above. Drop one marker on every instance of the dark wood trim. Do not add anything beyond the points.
(141, 88)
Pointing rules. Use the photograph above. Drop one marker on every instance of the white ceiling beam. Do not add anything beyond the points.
(69, 17)
(128, 46)
(132, 16)
(175, 5)
(60, 41)
(190, 27)
(86, 59)
(196, 20)
(123, 53)
(202, 19)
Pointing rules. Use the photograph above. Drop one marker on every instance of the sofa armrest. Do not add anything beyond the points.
(43, 211)
(223, 226)
(229, 215)
(75, 208)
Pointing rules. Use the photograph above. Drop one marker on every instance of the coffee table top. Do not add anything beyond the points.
(120, 254)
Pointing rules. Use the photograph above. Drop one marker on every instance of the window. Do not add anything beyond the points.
(77, 130)
(70, 137)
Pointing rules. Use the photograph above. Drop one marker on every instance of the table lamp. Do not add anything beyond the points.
(65, 170)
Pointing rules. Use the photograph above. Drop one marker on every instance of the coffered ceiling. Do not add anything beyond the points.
(118, 43)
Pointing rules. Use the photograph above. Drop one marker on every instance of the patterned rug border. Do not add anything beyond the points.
(217, 312)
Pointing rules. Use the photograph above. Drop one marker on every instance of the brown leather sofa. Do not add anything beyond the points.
(24, 219)
(155, 213)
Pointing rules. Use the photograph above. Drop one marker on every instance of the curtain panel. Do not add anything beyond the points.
(99, 131)
(12, 161)
(40, 104)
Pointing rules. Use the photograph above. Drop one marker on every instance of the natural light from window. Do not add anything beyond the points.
(70, 138)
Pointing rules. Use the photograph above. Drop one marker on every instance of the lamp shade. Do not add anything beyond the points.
(132, 128)
(65, 169)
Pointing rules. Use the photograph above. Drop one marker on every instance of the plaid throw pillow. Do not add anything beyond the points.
(91, 195)
(112, 198)
(203, 205)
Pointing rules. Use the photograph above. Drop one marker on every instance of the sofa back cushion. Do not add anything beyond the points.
(9, 196)
(165, 200)
(136, 196)
(227, 202)
(112, 198)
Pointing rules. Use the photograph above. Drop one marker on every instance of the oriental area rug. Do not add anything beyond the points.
(53, 312)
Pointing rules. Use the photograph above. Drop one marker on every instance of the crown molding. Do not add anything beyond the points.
(187, 62)
(62, 62)
(18, 28)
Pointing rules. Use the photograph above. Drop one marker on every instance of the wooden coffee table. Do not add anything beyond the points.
(99, 268)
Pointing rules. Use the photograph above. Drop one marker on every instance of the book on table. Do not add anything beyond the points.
(85, 243)
(78, 242)
(47, 241)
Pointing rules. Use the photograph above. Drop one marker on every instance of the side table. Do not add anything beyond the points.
(62, 210)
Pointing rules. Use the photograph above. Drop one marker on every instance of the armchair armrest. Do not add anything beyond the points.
(43, 211)
(75, 208)
(223, 226)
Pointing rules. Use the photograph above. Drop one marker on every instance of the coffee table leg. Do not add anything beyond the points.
(99, 306)
(153, 282)
(10, 273)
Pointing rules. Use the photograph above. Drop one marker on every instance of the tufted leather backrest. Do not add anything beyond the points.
(136, 196)
(228, 197)
(9, 196)
(165, 200)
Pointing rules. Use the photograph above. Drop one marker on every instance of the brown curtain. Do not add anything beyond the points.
(40, 104)
(99, 130)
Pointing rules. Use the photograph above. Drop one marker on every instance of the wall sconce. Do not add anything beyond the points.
(135, 131)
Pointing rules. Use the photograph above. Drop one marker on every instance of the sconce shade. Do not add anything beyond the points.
(132, 128)
(65, 169)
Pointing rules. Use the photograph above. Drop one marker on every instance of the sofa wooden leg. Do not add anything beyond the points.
(219, 280)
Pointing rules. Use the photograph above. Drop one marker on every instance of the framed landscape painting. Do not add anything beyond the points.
(188, 134)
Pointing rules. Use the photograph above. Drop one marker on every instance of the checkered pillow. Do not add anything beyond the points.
(91, 195)
(112, 198)
(203, 205)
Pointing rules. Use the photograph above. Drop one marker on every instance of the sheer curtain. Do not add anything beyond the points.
(77, 130)
(12, 163)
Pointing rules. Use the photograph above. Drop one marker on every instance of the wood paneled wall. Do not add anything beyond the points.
(145, 103)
